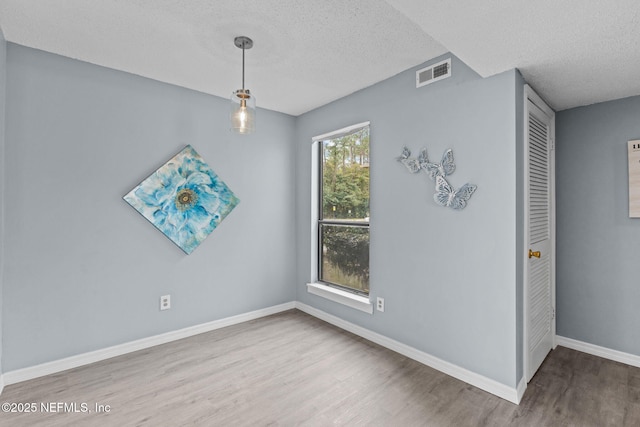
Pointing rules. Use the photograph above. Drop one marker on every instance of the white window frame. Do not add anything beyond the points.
(339, 295)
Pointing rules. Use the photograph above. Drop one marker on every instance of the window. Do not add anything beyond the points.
(343, 217)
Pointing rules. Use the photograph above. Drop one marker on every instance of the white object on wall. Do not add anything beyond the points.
(634, 178)
(433, 73)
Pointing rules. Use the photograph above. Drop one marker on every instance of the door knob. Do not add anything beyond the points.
(534, 254)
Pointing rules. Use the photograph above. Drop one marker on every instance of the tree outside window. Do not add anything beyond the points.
(344, 217)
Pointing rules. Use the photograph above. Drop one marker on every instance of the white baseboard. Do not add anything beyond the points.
(477, 380)
(522, 387)
(480, 381)
(48, 368)
(596, 350)
(487, 384)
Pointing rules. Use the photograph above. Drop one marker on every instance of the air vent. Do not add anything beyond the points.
(433, 73)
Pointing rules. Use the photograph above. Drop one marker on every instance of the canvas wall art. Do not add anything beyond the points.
(184, 199)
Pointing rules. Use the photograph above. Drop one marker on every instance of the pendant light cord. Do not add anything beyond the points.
(243, 66)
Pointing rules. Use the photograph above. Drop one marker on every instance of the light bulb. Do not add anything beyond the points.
(243, 112)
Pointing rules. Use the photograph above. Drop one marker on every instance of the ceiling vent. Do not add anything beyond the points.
(433, 73)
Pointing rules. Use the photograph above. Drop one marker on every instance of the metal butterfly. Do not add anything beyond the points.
(446, 195)
(414, 165)
(444, 168)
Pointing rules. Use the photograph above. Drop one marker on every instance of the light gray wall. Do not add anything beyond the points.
(449, 278)
(83, 269)
(598, 270)
(3, 69)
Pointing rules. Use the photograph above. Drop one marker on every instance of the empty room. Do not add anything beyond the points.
(319, 213)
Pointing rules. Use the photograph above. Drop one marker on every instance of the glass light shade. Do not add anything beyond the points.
(243, 111)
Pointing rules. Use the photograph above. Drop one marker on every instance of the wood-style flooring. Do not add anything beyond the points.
(291, 369)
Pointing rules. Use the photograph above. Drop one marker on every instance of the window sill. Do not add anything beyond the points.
(342, 297)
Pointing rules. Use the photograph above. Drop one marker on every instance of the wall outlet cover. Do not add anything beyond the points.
(165, 302)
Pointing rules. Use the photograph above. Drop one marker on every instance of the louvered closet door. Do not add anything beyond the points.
(538, 267)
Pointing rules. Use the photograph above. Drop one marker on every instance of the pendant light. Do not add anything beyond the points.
(243, 104)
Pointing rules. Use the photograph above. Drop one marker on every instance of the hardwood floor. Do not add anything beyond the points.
(291, 369)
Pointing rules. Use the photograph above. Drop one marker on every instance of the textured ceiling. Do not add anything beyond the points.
(308, 53)
(305, 53)
(573, 52)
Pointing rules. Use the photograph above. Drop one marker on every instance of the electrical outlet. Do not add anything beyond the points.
(380, 304)
(165, 302)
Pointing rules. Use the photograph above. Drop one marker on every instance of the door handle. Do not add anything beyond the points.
(534, 254)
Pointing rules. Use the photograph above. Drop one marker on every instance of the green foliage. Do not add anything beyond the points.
(345, 196)
(345, 176)
(347, 249)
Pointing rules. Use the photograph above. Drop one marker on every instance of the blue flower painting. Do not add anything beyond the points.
(184, 199)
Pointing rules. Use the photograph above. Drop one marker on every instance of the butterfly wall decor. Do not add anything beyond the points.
(444, 168)
(413, 165)
(445, 195)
